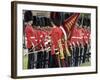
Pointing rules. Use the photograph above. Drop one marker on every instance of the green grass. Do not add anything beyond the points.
(25, 61)
(86, 64)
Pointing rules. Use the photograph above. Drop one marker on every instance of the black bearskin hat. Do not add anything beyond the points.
(28, 16)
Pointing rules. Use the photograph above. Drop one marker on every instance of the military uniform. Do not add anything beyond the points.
(31, 35)
(75, 39)
(31, 38)
(41, 54)
(86, 40)
(56, 37)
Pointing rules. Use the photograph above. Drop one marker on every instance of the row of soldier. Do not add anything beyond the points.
(51, 47)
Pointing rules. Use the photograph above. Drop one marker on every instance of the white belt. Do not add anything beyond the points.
(30, 37)
(77, 37)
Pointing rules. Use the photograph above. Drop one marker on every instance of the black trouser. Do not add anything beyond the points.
(81, 56)
(73, 55)
(67, 59)
(40, 59)
(88, 54)
(54, 62)
(84, 55)
(50, 59)
(76, 55)
(45, 59)
(70, 58)
(31, 59)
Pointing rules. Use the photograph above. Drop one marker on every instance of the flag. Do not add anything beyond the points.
(70, 23)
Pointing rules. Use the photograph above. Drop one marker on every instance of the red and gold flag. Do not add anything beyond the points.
(70, 23)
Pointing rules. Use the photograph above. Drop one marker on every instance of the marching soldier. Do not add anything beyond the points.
(59, 38)
(31, 37)
(86, 39)
(89, 44)
(75, 43)
(80, 43)
(66, 53)
(40, 47)
(61, 35)
(71, 31)
(85, 44)
(55, 36)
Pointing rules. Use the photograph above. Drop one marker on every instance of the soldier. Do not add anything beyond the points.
(30, 34)
(58, 33)
(46, 42)
(43, 54)
(55, 36)
(86, 39)
(40, 47)
(81, 44)
(85, 44)
(74, 40)
(89, 44)
(66, 52)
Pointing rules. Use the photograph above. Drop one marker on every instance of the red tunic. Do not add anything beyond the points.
(31, 36)
(56, 34)
(86, 36)
(74, 36)
(77, 36)
(41, 38)
(80, 35)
